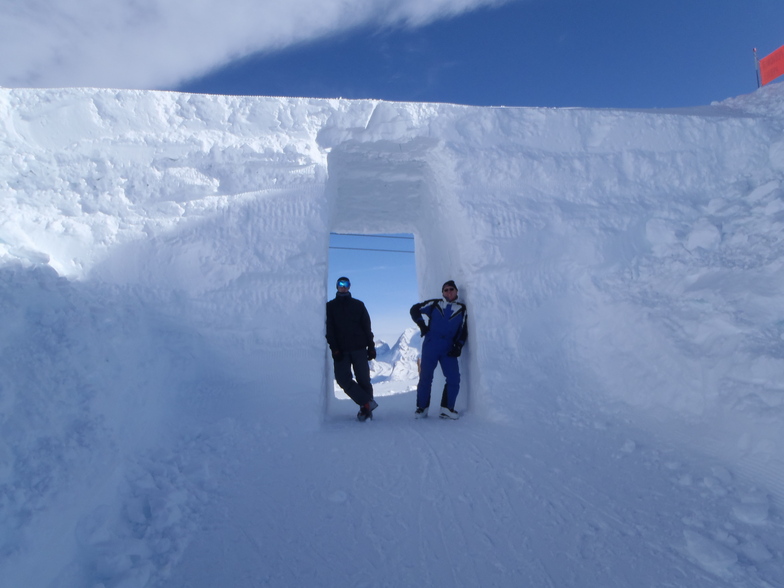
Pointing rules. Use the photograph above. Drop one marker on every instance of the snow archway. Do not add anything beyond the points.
(383, 186)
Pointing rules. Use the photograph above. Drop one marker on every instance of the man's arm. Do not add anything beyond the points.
(462, 333)
(330, 335)
(416, 314)
(366, 326)
(419, 309)
(460, 337)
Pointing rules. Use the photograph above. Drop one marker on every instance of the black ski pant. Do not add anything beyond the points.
(359, 390)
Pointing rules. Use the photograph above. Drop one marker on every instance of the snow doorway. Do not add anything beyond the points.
(382, 271)
(377, 189)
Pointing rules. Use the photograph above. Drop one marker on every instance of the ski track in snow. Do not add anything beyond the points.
(166, 416)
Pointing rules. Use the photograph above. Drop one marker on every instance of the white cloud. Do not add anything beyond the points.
(155, 43)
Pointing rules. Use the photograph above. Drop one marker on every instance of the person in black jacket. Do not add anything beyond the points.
(351, 343)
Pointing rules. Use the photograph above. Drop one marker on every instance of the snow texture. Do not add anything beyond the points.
(167, 415)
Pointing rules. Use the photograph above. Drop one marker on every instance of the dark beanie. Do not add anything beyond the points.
(449, 283)
(343, 279)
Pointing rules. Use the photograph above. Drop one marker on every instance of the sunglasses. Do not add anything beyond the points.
(449, 290)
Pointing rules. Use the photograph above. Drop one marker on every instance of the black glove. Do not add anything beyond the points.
(455, 351)
(337, 354)
(371, 352)
(423, 329)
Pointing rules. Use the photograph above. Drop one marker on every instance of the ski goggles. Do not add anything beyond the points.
(344, 284)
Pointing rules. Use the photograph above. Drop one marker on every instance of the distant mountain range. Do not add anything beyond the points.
(395, 369)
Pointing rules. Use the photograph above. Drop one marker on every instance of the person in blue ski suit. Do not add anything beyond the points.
(444, 335)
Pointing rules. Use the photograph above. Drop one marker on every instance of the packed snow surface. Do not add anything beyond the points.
(167, 414)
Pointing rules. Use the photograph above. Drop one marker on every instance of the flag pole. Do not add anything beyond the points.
(756, 67)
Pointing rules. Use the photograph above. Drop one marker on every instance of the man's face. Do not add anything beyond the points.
(343, 286)
(450, 293)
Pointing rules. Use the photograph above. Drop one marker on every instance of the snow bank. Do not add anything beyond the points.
(163, 262)
(632, 256)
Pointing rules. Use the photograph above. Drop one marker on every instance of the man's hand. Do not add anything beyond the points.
(455, 351)
(371, 352)
(337, 354)
(423, 329)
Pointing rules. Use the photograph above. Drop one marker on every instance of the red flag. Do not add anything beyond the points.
(772, 66)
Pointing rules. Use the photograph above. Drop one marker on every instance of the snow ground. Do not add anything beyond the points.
(165, 408)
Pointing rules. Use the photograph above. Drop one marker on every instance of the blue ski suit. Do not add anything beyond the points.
(445, 334)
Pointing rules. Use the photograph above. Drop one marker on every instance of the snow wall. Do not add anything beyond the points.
(628, 259)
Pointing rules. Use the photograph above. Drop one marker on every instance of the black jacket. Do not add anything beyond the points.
(348, 324)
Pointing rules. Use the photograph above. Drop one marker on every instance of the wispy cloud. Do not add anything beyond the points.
(159, 43)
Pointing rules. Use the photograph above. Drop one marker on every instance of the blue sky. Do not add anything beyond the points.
(593, 53)
(548, 53)
(597, 53)
(384, 280)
